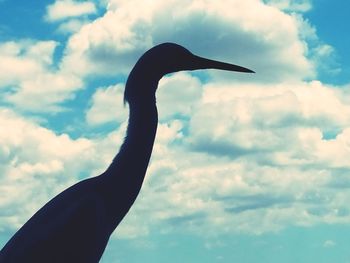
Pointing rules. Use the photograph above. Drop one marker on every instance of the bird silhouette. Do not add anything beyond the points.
(75, 226)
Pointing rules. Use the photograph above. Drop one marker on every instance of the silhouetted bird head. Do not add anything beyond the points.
(168, 58)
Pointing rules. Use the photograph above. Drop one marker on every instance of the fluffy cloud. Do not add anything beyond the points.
(107, 106)
(37, 164)
(111, 44)
(22, 60)
(251, 159)
(63, 9)
(29, 77)
(256, 155)
(70, 14)
(246, 34)
(177, 96)
(72, 26)
(242, 163)
(256, 117)
(250, 156)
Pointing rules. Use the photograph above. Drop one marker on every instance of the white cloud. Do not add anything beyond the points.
(322, 55)
(37, 164)
(107, 106)
(177, 95)
(63, 9)
(45, 91)
(247, 157)
(252, 159)
(248, 36)
(251, 156)
(72, 26)
(288, 175)
(29, 77)
(249, 119)
(22, 60)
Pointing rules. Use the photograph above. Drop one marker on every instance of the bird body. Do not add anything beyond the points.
(75, 226)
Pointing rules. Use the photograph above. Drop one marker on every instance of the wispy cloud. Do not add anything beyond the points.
(329, 244)
(291, 5)
(63, 9)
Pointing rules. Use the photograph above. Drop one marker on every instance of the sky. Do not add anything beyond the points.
(245, 168)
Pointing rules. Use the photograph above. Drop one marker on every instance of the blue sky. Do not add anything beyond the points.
(245, 168)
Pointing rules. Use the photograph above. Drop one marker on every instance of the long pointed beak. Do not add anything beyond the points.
(204, 63)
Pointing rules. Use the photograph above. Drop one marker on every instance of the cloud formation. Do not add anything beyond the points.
(329, 244)
(36, 164)
(63, 9)
(112, 43)
(291, 5)
(234, 153)
(30, 79)
(251, 159)
(106, 106)
(251, 156)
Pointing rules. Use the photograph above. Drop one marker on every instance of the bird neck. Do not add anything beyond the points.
(134, 155)
(122, 181)
(141, 133)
